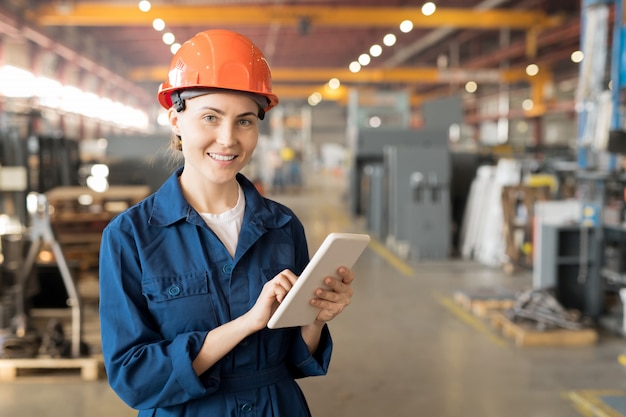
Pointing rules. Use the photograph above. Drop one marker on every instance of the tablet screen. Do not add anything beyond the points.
(337, 249)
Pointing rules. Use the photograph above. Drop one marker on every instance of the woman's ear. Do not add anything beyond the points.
(173, 118)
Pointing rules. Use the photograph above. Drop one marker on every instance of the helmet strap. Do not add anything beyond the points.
(178, 101)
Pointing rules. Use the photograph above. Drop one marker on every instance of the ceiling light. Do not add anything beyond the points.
(145, 6)
(175, 47)
(528, 104)
(364, 59)
(100, 170)
(471, 87)
(90, 105)
(48, 91)
(168, 38)
(158, 24)
(315, 99)
(354, 67)
(72, 99)
(334, 83)
(577, 56)
(389, 39)
(375, 121)
(98, 185)
(428, 8)
(16, 82)
(406, 26)
(376, 50)
(532, 70)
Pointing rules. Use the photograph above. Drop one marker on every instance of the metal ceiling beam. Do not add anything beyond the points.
(568, 32)
(114, 14)
(435, 36)
(340, 96)
(366, 76)
(16, 30)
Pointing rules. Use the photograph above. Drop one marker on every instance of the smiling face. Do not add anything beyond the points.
(219, 133)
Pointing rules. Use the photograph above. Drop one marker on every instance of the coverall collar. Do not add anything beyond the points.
(170, 206)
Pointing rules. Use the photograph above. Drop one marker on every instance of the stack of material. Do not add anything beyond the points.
(79, 214)
(518, 202)
(543, 310)
(481, 232)
(537, 319)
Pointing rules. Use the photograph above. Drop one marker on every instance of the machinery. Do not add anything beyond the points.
(20, 339)
(582, 257)
(400, 177)
(24, 231)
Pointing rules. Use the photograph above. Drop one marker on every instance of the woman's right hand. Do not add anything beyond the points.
(224, 338)
(272, 294)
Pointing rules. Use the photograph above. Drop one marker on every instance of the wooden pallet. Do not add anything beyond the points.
(525, 335)
(90, 368)
(482, 305)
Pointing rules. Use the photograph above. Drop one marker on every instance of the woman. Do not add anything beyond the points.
(190, 276)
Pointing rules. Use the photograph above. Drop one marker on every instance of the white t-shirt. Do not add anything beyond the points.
(228, 224)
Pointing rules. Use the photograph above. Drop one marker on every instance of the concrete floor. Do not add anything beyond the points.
(402, 348)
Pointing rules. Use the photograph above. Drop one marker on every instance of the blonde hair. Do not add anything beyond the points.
(176, 142)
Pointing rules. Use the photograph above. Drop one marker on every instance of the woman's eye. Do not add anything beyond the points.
(245, 122)
(210, 118)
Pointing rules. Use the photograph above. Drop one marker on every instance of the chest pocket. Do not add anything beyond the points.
(180, 303)
(159, 289)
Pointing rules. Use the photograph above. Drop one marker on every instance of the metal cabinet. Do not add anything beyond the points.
(419, 214)
(570, 259)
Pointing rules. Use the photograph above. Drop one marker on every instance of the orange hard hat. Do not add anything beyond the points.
(219, 59)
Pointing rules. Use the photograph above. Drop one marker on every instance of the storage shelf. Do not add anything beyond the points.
(613, 276)
(570, 260)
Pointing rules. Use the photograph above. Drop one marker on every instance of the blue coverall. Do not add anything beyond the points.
(166, 280)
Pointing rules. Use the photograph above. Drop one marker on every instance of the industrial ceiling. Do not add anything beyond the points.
(309, 42)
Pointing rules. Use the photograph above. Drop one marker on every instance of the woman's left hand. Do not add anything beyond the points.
(334, 300)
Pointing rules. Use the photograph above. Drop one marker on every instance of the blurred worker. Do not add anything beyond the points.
(291, 160)
(190, 276)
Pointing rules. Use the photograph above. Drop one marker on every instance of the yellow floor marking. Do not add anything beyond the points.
(392, 259)
(470, 320)
(622, 359)
(589, 403)
(339, 217)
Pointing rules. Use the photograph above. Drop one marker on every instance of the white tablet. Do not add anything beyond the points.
(337, 249)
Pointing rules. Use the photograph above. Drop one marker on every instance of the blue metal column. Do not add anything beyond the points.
(591, 75)
(593, 36)
(617, 136)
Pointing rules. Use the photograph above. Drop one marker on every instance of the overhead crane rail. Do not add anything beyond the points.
(98, 14)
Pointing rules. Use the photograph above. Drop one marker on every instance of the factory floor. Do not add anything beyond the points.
(403, 348)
